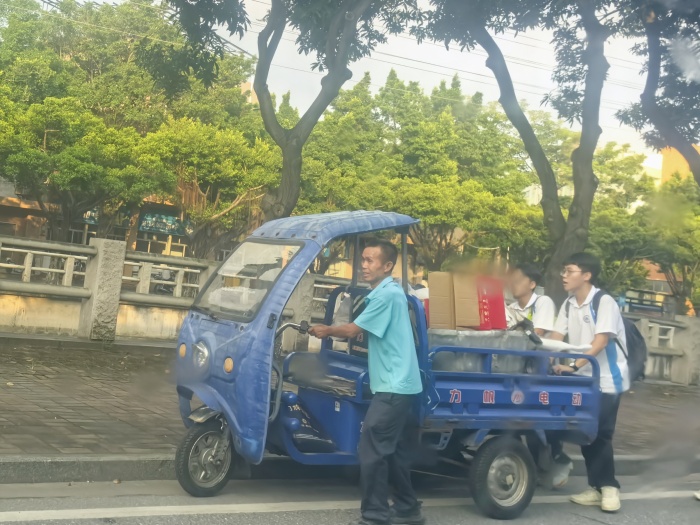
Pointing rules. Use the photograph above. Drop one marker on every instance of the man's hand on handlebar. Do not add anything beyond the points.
(344, 331)
(321, 331)
(562, 369)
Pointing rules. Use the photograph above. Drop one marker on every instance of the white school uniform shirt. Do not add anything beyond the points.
(582, 326)
(540, 310)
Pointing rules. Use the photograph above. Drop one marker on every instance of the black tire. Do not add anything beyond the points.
(196, 438)
(503, 478)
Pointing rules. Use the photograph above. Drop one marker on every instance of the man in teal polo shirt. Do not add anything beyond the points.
(389, 427)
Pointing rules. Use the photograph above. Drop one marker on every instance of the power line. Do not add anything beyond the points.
(537, 66)
(406, 36)
(490, 84)
(526, 63)
(94, 26)
(128, 33)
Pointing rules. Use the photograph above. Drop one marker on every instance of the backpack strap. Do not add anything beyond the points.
(533, 309)
(595, 304)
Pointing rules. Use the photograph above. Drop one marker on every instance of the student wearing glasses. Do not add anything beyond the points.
(604, 330)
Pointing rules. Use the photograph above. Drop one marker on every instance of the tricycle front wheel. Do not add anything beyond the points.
(203, 459)
(503, 478)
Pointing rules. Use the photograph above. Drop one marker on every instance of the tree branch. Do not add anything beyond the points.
(338, 72)
(268, 40)
(653, 112)
(597, 71)
(553, 216)
(222, 213)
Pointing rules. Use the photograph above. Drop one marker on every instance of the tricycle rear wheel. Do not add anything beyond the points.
(198, 468)
(503, 478)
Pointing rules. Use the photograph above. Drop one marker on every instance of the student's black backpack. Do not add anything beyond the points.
(636, 354)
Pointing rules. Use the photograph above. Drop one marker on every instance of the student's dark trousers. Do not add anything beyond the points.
(600, 462)
(389, 435)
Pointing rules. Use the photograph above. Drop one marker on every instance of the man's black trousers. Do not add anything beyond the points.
(600, 462)
(389, 437)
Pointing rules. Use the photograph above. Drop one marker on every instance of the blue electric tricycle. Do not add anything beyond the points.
(242, 401)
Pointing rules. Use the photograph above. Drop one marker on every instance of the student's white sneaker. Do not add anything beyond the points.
(560, 474)
(611, 499)
(697, 495)
(589, 497)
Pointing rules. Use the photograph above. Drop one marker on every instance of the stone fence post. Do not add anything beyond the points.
(103, 277)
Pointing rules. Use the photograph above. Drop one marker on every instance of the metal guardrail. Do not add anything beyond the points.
(45, 268)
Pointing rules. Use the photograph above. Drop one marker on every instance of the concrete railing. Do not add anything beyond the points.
(158, 280)
(52, 268)
(98, 291)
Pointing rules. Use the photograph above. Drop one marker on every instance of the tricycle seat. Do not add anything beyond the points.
(326, 383)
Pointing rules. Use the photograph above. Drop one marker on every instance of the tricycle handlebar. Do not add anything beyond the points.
(302, 328)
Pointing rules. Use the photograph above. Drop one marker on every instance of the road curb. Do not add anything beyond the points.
(64, 469)
(61, 342)
(640, 465)
(150, 467)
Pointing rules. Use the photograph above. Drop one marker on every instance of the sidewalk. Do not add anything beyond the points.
(61, 400)
(119, 402)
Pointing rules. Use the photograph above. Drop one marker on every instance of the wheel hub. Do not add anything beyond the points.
(507, 479)
(204, 469)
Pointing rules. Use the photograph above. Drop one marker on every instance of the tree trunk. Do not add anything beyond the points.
(575, 237)
(553, 217)
(654, 113)
(133, 230)
(280, 202)
(66, 221)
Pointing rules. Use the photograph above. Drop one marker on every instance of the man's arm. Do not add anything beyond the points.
(343, 331)
(556, 336)
(597, 346)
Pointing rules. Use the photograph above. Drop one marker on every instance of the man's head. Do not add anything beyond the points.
(523, 280)
(580, 269)
(378, 261)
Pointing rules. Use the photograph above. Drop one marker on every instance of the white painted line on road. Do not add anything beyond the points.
(23, 516)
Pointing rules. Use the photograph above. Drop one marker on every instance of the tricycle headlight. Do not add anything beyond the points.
(200, 354)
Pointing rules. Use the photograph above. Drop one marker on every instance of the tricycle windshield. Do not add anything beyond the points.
(241, 284)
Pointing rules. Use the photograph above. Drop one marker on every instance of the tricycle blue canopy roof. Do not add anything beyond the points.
(325, 227)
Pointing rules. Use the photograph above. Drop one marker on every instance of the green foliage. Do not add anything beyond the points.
(673, 216)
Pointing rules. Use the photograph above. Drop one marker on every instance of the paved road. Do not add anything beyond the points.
(325, 502)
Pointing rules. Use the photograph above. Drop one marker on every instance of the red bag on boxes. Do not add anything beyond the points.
(492, 312)
(479, 302)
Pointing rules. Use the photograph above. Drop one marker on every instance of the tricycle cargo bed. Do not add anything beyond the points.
(473, 362)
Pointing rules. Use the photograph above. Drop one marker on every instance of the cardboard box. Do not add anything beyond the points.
(442, 301)
(466, 300)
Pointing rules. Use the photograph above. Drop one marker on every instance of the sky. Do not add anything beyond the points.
(530, 58)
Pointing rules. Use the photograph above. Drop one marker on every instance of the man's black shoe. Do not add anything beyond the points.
(414, 517)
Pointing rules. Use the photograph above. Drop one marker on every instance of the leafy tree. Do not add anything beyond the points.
(668, 113)
(70, 162)
(216, 172)
(581, 73)
(622, 241)
(337, 32)
(461, 217)
(673, 218)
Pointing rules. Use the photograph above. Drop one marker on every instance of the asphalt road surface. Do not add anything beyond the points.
(326, 502)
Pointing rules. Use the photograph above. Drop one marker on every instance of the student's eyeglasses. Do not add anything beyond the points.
(565, 273)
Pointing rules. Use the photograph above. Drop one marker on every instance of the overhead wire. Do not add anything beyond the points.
(516, 60)
(282, 66)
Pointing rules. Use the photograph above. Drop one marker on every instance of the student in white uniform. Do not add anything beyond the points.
(540, 309)
(604, 330)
